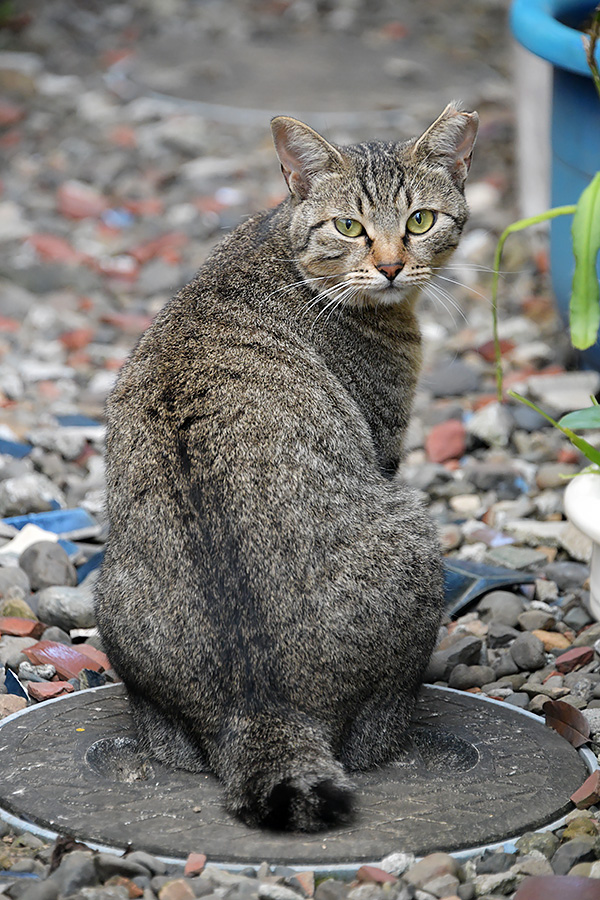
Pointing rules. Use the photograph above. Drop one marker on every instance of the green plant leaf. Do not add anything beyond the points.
(582, 418)
(584, 315)
(586, 448)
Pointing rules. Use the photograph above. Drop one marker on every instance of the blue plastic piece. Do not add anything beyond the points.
(541, 26)
(12, 448)
(13, 685)
(89, 566)
(57, 521)
(465, 581)
(77, 420)
(71, 549)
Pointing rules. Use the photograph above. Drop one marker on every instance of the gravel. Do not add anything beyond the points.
(111, 199)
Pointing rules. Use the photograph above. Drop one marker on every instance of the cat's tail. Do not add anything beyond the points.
(279, 772)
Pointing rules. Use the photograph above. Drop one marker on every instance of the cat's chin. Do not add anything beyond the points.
(391, 295)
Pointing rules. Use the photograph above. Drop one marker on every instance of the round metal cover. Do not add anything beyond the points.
(473, 772)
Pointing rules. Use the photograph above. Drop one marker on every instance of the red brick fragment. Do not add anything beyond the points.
(77, 200)
(97, 656)
(571, 659)
(66, 659)
(10, 113)
(18, 627)
(194, 864)
(162, 246)
(56, 249)
(128, 323)
(307, 881)
(374, 875)
(48, 690)
(558, 887)
(446, 441)
(77, 339)
(133, 890)
(488, 350)
(9, 325)
(588, 793)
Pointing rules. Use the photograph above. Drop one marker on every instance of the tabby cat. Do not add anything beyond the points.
(271, 590)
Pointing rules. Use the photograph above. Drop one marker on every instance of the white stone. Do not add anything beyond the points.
(534, 532)
(397, 863)
(565, 392)
(28, 535)
(492, 424)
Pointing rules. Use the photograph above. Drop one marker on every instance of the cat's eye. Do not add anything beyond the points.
(421, 221)
(348, 227)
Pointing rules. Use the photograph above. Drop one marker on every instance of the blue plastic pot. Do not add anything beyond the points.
(544, 27)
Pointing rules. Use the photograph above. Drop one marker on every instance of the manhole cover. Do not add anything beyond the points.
(473, 772)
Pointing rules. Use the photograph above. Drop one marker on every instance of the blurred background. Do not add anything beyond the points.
(134, 134)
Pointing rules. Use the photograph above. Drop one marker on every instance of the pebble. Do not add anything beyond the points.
(47, 564)
(66, 607)
(94, 236)
(528, 652)
(502, 607)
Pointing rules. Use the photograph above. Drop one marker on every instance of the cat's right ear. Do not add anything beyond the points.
(450, 140)
(303, 153)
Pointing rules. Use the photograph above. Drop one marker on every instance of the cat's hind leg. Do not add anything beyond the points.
(164, 737)
(376, 735)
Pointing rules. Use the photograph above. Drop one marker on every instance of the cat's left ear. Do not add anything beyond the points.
(303, 153)
(451, 139)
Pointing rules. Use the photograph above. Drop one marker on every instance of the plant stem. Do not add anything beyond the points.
(516, 226)
(590, 47)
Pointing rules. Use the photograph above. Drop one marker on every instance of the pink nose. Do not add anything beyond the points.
(390, 270)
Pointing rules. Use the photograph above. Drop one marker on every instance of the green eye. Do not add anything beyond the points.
(421, 221)
(348, 227)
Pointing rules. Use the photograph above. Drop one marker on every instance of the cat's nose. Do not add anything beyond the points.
(390, 270)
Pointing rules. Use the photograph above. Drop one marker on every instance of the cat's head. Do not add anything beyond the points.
(372, 222)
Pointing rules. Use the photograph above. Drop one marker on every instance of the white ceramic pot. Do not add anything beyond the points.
(582, 506)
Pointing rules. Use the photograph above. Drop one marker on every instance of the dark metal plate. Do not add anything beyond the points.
(473, 772)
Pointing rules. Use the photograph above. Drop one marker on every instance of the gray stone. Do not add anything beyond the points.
(464, 677)
(534, 619)
(42, 890)
(580, 849)
(500, 635)
(76, 870)
(29, 493)
(528, 652)
(503, 607)
(515, 557)
(519, 699)
(576, 617)
(53, 633)
(567, 574)
(151, 863)
(467, 650)
(497, 883)
(107, 865)
(11, 650)
(493, 862)
(453, 378)
(46, 564)
(67, 607)
(11, 576)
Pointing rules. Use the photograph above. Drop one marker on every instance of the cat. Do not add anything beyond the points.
(272, 590)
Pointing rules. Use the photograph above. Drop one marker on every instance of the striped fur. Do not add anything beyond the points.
(271, 590)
